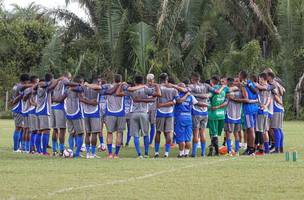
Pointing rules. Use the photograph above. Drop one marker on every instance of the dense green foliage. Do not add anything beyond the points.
(140, 36)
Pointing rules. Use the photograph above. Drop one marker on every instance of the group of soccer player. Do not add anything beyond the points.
(250, 109)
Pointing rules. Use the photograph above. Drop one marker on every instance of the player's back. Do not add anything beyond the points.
(91, 95)
(72, 104)
(167, 94)
(114, 103)
(142, 93)
(234, 109)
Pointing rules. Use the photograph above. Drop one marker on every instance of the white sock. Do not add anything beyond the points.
(181, 153)
(187, 151)
(166, 153)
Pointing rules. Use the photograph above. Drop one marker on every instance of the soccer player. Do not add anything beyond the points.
(164, 114)
(32, 117)
(139, 118)
(216, 113)
(183, 120)
(128, 102)
(17, 94)
(250, 111)
(152, 109)
(28, 110)
(43, 109)
(102, 104)
(91, 110)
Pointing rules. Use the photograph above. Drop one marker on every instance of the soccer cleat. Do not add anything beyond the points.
(110, 156)
(55, 153)
(140, 157)
(146, 156)
(61, 154)
(46, 154)
(180, 156)
(211, 149)
(193, 156)
(88, 156)
(156, 155)
(186, 156)
(116, 156)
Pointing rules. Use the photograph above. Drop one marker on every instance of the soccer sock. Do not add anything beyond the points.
(228, 142)
(32, 140)
(109, 148)
(61, 147)
(152, 133)
(167, 148)
(128, 135)
(137, 146)
(88, 148)
(277, 139)
(282, 138)
(237, 145)
(71, 142)
(181, 153)
(38, 143)
(156, 147)
(54, 145)
(266, 147)
(45, 141)
(101, 139)
(203, 147)
(93, 149)
(117, 148)
(20, 140)
(194, 148)
(16, 137)
(146, 144)
(27, 145)
(187, 151)
(174, 139)
(79, 141)
(23, 144)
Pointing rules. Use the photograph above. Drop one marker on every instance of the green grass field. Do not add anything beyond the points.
(37, 177)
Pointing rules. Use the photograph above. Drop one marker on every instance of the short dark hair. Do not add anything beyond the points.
(263, 75)
(24, 77)
(48, 77)
(196, 76)
(254, 78)
(271, 74)
(139, 79)
(186, 81)
(243, 74)
(33, 78)
(163, 77)
(230, 80)
(117, 78)
(215, 78)
(78, 79)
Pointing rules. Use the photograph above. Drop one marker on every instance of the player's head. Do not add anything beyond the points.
(186, 82)
(263, 78)
(117, 78)
(34, 79)
(67, 75)
(236, 81)
(150, 78)
(254, 78)
(230, 81)
(270, 76)
(195, 78)
(215, 80)
(268, 70)
(163, 78)
(139, 80)
(181, 84)
(48, 77)
(243, 75)
(223, 81)
(24, 78)
(78, 79)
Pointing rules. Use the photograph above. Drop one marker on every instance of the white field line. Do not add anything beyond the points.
(122, 181)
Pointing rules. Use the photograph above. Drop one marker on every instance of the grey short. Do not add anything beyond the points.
(58, 119)
(102, 115)
(262, 123)
(115, 124)
(139, 124)
(152, 116)
(33, 121)
(75, 126)
(199, 122)
(44, 122)
(18, 119)
(128, 115)
(232, 128)
(26, 121)
(164, 124)
(277, 120)
(92, 125)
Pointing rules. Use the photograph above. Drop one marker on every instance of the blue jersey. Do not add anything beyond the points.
(250, 108)
(277, 107)
(184, 110)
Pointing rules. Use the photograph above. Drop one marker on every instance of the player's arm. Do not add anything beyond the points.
(119, 91)
(15, 100)
(178, 88)
(202, 96)
(183, 98)
(93, 86)
(201, 104)
(167, 104)
(157, 92)
(134, 88)
(278, 99)
(59, 99)
(224, 104)
(144, 100)
(85, 100)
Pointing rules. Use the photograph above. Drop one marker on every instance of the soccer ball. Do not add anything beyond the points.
(68, 153)
(223, 150)
(102, 147)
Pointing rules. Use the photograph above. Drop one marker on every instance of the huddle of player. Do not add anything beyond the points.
(182, 112)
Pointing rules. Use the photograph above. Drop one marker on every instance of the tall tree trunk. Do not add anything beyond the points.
(298, 96)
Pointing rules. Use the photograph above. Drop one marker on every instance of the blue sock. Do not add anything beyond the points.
(71, 142)
(137, 146)
(23, 145)
(174, 138)
(20, 139)
(93, 148)
(38, 143)
(237, 145)
(146, 144)
(152, 133)
(61, 147)
(266, 147)
(109, 148)
(128, 135)
(167, 148)
(88, 149)
(228, 142)
(79, 142)
(282, 138)
(156, 147)
(16, 137)
(101, 139)
(32, 141)
(203, 147)
(194, 148)
(27, 145)
(54, 145)
(45, 141)
(277, 139)
(117, 148)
